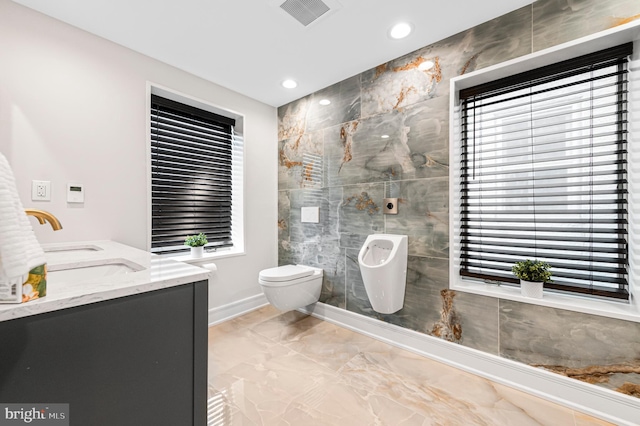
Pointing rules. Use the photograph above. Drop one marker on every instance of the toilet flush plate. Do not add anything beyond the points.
(310, 214)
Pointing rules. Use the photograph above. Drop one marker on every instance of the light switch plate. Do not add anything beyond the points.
(310, 214)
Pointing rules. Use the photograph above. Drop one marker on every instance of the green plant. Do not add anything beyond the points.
(195, 240)
(532, 270)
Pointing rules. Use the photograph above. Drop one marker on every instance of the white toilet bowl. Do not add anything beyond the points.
(291, 287)
(383, 265)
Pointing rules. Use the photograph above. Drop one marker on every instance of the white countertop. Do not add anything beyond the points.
(157, 273)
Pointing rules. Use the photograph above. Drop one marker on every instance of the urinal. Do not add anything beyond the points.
(383, 265)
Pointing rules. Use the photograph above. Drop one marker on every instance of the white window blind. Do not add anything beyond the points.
(543, 174)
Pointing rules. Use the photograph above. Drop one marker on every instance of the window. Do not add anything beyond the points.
(543, 174)
(192, 175)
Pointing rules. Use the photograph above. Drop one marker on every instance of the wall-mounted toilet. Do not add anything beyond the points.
(383, 265)
(291, 287)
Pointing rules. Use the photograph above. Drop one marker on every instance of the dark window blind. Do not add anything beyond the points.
(544, 174)
(191, 152)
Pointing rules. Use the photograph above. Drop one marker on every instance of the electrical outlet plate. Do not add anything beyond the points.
(40, 190)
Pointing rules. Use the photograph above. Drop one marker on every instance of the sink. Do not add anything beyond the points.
(94, 270)
(72, 249)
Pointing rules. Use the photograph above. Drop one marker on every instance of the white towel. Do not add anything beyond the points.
(19, 249)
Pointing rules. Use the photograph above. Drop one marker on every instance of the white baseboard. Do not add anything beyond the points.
(235, 309)
(599, 402)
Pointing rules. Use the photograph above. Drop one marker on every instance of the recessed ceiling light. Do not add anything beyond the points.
(400, 30)
(324, 102)
(385, 136)
(426, 65)
(289, 84)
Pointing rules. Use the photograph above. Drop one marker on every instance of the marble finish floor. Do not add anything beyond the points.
(273, 368)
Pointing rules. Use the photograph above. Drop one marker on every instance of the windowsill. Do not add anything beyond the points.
(206, 257)
(618, 310)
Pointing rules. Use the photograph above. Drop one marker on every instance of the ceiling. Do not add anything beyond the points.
(251, 46)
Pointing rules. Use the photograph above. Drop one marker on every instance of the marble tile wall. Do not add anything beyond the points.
(335, 157)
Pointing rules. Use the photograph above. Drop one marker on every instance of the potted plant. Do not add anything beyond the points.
(533, 274)
(196, 242)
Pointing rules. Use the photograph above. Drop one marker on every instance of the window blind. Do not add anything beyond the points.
(543, 174)
(191, 175)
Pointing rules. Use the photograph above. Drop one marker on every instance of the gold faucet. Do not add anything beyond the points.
(44, 217)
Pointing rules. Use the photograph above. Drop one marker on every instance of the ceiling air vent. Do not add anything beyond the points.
(305, 11)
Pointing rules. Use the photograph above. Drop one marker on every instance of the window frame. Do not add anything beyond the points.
(575, 302)
(238, 174)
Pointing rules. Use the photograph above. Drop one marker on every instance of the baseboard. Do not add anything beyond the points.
(235, 309)
(599, 402)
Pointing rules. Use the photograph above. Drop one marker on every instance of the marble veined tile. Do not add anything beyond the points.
(423, 214)
(284, 209)
(333, 198)
(329, 257)
(560, 21)
(339, 404)
(356, 152)
(424, 129)
(300, 162)
(292, 118)
(426, 387)
(352, 241)
(221, 412)
(288, 252)
(379, 385)
(230, 349)
(400, 82)
(286, 326)
(263, 386)
(501, 39)
(479, 318)
(332, 346)
(306, 231)
(357, 299)
(426, 278)
(328, 200)
(407, 144)
(360, 212)
(540, 335)
(333, 284)
(253, 318)
(351, 414)
(344, 107)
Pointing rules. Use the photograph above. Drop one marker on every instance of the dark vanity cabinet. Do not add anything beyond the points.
(136, 360)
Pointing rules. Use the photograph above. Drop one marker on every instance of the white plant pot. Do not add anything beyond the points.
(531, 289)
(197, 251)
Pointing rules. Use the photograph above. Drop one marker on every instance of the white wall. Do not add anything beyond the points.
(73, 108)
